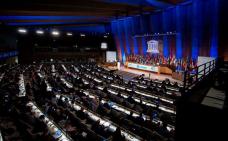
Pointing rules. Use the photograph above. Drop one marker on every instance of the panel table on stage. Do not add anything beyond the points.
(178, 75)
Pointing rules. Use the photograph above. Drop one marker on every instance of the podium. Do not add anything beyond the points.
(118, 65)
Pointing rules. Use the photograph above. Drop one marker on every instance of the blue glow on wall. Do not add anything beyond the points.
(165, 46)
(196, 28)
(214, 29)
(165, 38)
(126, 29)
(44, 17)
(115, 34)
(136, 51)
(192, 22)
(159, 4)
(144, 45)
(120, 40)
(91, 28)
(179, 29)
(130, 2)
(37, 23)
(5, 55)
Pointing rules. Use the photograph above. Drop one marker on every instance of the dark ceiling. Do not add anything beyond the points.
(75, 12)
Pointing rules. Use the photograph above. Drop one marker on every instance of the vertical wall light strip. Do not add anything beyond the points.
(144, 45)
(179, 29)
(114, 31)
(165, 38)
(122, 33)
(121, 40)
(144, 29)
(126, 29)
(214, 28)
(196, 28)
(136, 51)
(131, 39)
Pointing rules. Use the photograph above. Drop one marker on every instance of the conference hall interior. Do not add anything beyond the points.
(113, 70)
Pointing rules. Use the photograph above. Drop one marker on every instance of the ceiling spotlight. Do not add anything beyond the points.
(105, 36)
(22, 30)
(55, 33)
(69, 34)
(39, 32)
(82, 35)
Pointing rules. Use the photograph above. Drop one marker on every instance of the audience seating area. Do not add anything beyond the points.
(83, 101)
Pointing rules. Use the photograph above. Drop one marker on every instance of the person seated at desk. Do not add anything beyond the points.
(103, 109)
(117, 135)
(163, 89)
(9, 130)
(39, 130)
(60, 101)
(130, 99)
(96, 126)
(81, 114)
(163, 130)
(140, 119)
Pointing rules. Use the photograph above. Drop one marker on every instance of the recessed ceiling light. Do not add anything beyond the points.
(22, 30)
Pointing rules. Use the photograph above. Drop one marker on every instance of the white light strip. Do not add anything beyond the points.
(1, 139)
(173, 89)
(69, 85)
(113, 92)
(2, 76)
(100, 88)
(40, 32)
(141, 86)
(53, 68)
(85, 82)
(64, 68)
(116, 86)
(166, 100)
(124, 96)
(55, 33)
(97, 80)
(22, 31)
(166, 109)
(147, 95)
(69, 34)
(40, 67)
(22, 91)
(82, 35)
(49, 88)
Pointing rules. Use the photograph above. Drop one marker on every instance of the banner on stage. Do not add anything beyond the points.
(143, 67)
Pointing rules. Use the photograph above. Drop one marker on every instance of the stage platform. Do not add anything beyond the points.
(128, 74)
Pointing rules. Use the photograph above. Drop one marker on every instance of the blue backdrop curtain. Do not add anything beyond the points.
(195, 22)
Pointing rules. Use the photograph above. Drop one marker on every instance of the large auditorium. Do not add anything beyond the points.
(113, 70)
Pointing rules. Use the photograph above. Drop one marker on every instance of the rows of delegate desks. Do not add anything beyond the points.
(58, 134)
(109, 125)
(104, 80)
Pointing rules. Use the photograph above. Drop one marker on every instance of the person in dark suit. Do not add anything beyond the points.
(117, 135)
